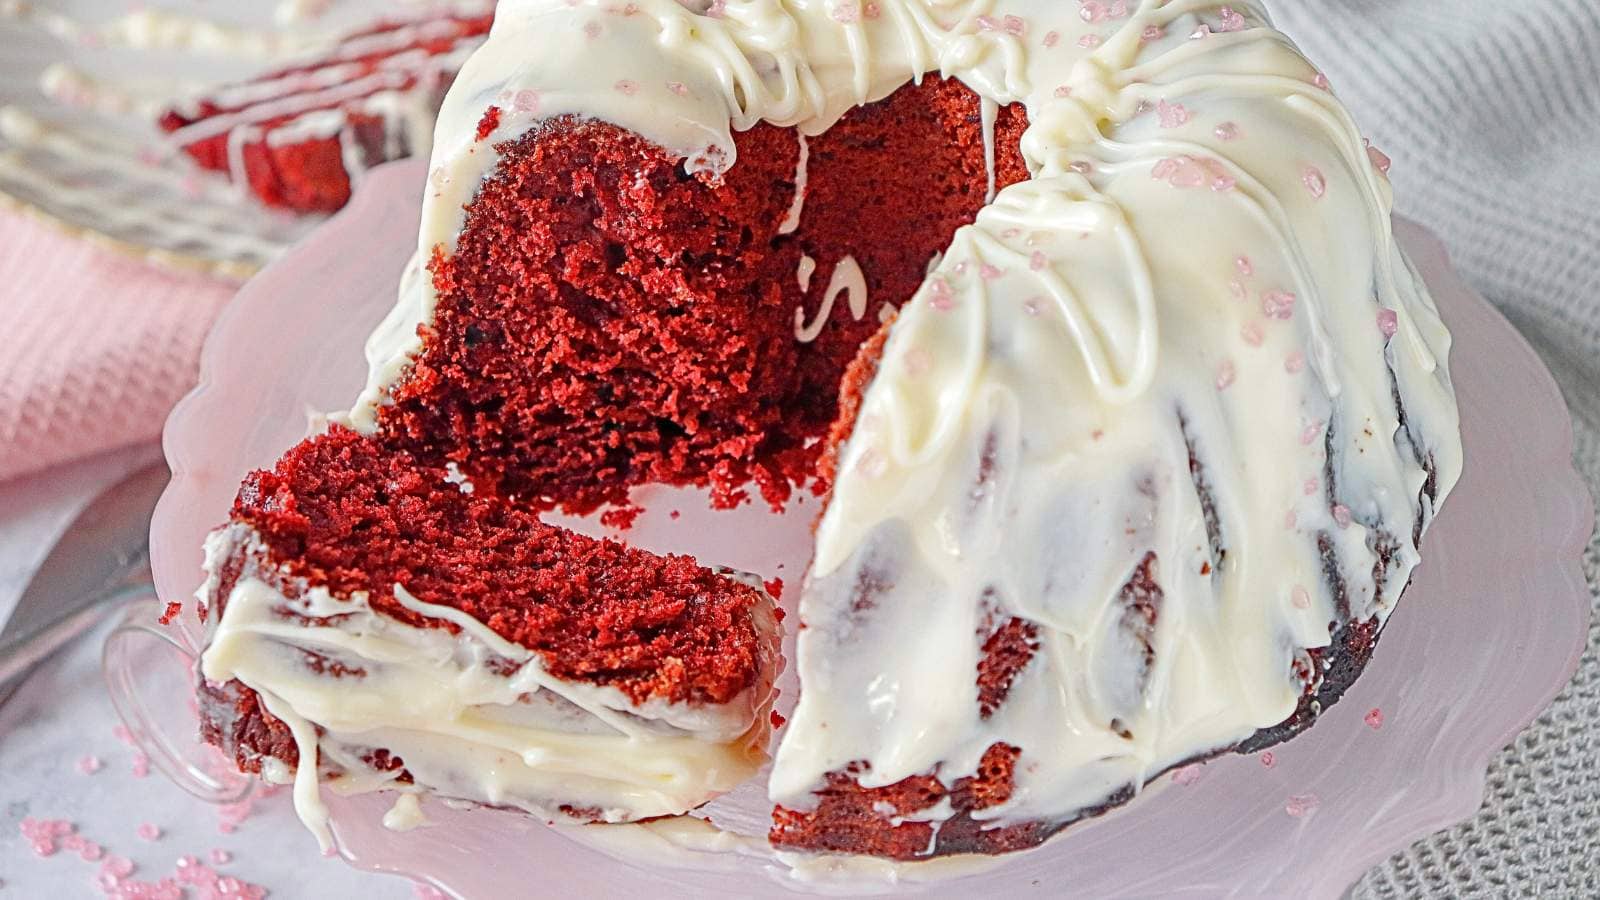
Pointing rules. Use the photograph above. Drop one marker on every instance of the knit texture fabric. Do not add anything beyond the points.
(95, 346)
(1491, 112)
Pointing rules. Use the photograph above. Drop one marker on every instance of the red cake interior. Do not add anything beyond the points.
(608, 320)
(345, 514)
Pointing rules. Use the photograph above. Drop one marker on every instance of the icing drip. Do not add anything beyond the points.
(802, 275)
(474, 717)
(405, 815)
(847, 279)
(1091, 418)
(791, 221)
(990, 113)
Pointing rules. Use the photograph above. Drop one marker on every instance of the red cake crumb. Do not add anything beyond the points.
(777, 719)
(774, 587)
(489, 122)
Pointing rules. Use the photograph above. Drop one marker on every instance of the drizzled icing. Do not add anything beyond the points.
(791, 220)
(847, 279)
(1087, 398)
(474, 716)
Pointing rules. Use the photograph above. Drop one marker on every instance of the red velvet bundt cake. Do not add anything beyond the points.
(299, 137)
(1129, 414)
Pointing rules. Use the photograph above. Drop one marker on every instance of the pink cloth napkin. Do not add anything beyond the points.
(95, 346)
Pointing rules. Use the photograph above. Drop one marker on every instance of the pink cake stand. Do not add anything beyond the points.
(1492, 627)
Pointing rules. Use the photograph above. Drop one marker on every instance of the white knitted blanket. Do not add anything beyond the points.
(1491, 111)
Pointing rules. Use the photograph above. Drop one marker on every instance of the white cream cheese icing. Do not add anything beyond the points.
(1182, 347)
(473, 716)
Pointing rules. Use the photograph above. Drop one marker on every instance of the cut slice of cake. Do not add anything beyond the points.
(375, 621)
(300, 137)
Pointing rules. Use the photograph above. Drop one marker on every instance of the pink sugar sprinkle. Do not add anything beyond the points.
(226, 827)
(74, 842)
(1388, 322)
(1224, 183)
(1015, 25)
(1038, 262)
(1231, 19)
(1180, 172)
(1374, 718)
(626, 87)
(990, 273)
(1245, 267)
(1314, 181)
(941, 298)
(1092, 11)
(1187, 775)
(1252, 333)
(90, 764)
(1237, 289)
(871, 12)
(1321, 81)
(679, 88)
(1278, 304)
(591, 29)
(1081, 166)
(1090, 41)
(1302, 804)
(1341, 515)
(1052, 38)
(1152, 33)
(1311, 486)
(1011, 233)
(1034, 306)
(1300, 597)
(1118, 9)
(141, 764)
(525, 101)
(1290, 520)
(1172, 115)
(221, 856)
(91, 852)
(988, 23)
(872, 463)
(120, 866)
(918, 361)
(1380, 160)
(1063, 90)
(1227, 131)
(1294, 363)
(1226, 373)
(848, 13)
(150, 831)
(1268, 759)
(1308, 435)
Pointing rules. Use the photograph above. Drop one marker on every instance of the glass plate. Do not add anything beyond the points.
(1491, 629)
